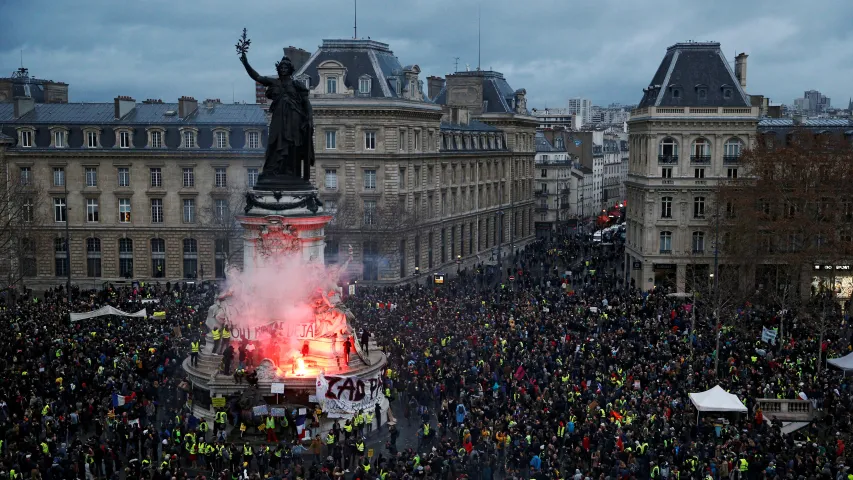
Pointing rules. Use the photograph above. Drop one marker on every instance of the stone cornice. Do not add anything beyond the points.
(212, 154)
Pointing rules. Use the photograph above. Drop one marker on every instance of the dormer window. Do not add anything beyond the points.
(92, 136)
(26, 137)
(188, 137)
(676, 93)
(727, 91)
(220, 138)
(331, 84)
(124, 139)
(364, 85)
(253, 139)
(59, 137)
(304, 80)
(156, 135)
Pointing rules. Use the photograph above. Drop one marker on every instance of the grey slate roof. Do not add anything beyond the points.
(544, 146)
(472, 126)
(497, 93)
(5, 138)
(143, 114)
(685, 69)
(360, 57)
(769, 123)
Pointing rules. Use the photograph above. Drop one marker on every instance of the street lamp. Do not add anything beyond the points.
(458, 263)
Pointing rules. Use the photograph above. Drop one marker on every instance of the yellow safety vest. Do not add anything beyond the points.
(217, 335)
(330, 439)
(220, 417)
(426, 429)
(225, 333)
(194, 346)
(348, 428)
(360, 446)
(270, 422)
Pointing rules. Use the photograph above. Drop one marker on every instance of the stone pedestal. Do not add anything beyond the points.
(281, 224)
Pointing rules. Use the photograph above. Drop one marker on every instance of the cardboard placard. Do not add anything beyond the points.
(218, 402)
(277, 411)
(370, 453)
(276, 388)
(260, 410)
(303, 411)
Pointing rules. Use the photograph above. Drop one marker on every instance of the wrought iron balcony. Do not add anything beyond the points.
(665, 252)
(541, 208)
(731, 158)
(700, 159)
(540, 193)
(668, 159)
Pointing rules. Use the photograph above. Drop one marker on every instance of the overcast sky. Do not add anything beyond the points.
(605, 50)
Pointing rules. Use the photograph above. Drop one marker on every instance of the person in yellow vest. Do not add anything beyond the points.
(368, 421)
(359, 445)
(347, 430)
(202, 429)
(270, 424)
(359, 422)
(226, 338)
(219, 421)
(743, 466)
(194, 349)
(217, 337)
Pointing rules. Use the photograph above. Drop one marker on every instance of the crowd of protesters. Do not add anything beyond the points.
(561, 372)
(542, 378)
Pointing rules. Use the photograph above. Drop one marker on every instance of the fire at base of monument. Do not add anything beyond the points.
(289, 312)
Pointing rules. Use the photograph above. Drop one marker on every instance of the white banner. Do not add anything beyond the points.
(107, 310)
(768, 335)
(347, 395)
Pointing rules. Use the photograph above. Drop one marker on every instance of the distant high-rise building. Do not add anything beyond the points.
(813, 103)
(582, 107)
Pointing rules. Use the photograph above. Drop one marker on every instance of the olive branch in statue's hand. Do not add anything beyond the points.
(243, 44)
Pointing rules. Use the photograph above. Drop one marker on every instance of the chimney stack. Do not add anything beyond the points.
(434, 86)
(298, 57)
(123, 106)
(740, 69)
(23, 106)
(187, 106)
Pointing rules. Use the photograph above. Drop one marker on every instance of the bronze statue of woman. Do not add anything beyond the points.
(290, 147)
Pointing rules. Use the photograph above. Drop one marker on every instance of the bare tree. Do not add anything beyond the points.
(791, 213)
(220, 218)
(20, 207)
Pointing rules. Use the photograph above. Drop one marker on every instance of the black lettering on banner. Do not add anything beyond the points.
(330, 392)
(352, 389)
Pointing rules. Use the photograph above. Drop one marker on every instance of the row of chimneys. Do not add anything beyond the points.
(123, 105)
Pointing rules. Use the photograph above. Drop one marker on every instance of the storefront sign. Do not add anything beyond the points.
(638, 266)
(832, 267)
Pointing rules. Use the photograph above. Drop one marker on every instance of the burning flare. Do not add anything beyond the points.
(300, 367)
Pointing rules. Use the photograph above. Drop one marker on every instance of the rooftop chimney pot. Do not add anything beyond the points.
(187, 106)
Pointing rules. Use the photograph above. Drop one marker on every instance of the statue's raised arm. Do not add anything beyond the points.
(243, 47)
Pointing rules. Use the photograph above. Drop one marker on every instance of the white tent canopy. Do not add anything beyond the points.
(844, 363)
(717, 400)
(107, 310)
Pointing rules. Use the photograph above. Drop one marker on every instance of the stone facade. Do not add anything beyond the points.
(144, 186)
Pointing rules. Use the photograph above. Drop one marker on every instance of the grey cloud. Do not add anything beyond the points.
(606, 50)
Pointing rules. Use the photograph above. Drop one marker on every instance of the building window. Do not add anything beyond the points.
(254, 140)
(156, 139)
(364, 86)
(220, 210)
(369, 212)
(666, 172)
(91, 177)
(26, 176)
(698, 173)
(189, 210)
(701, 150)
(158, 257)
(251, 177)
(698, 242)
(417, 141)
(92, 212)
(331, 179)
(221, 248)
(402, 140)
(58, 177)
(156, 210)
(59, 209)
(666, 207)
(731, 149)
(429, 250)
(124, 210)
(189, 139)
(221, 139)
(220, 178)
(93, 257)
(92, 139)
(668, 150)
(727, 93)
(370, 179)
(441, 246)
(731, 173)
(156, 177)
(370, 140)
(125, 257)
(27, 210)
(124, 139)
(665, 242)
(189, 178)
(331, 84)
(402, 254)
(60, 257)
(28, 258)
(370, 261)
(699, 207)
(190, 258)
(59, 139)
(331, 139)
(330, 252)
(123, 177)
